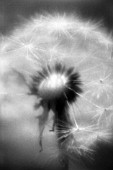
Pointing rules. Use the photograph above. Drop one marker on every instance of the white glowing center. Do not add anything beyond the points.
(52, 85)
(56, 81)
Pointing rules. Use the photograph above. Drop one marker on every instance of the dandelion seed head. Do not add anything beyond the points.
(84, 71)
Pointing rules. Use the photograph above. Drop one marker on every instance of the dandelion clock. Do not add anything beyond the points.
(56, 93)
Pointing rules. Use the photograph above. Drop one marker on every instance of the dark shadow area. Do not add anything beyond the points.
(102, 158)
